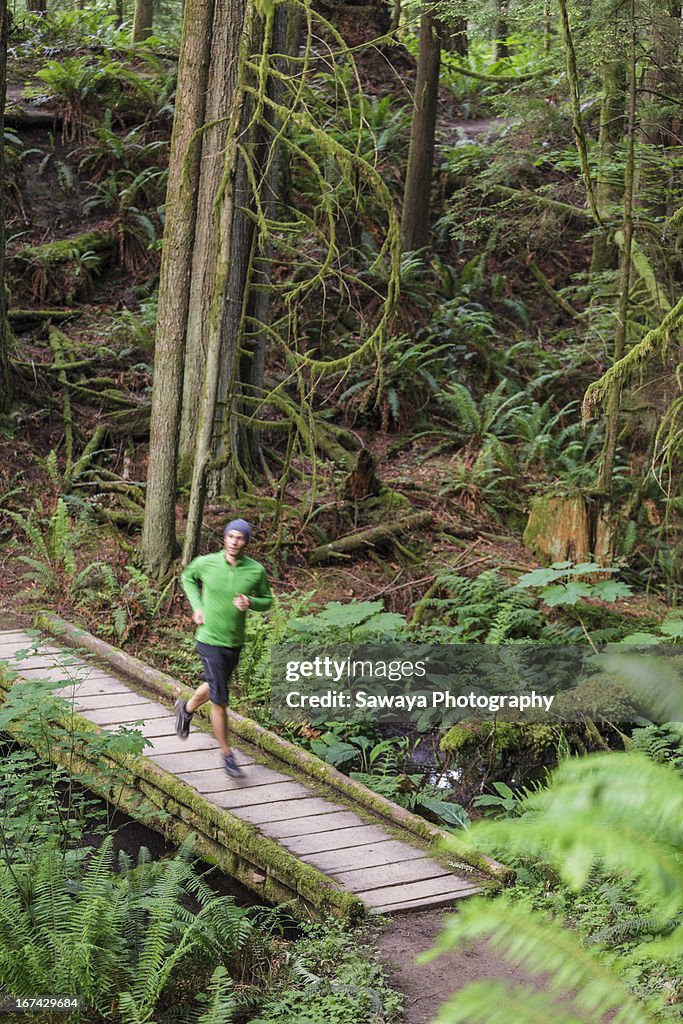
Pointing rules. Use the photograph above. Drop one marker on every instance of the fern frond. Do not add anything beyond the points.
(222, 1003)
(493, 1002)
(620, 810)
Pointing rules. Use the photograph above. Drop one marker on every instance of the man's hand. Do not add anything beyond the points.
(198, 617)
(241, 601)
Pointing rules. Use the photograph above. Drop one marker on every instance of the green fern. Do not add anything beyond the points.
(485, 609)
(52, 566)
(115, 938)
(661, 743)
(614, 815)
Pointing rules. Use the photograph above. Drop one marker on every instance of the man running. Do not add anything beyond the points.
(231, 583)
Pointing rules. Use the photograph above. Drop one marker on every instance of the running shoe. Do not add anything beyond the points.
(183, 718)
(231, 767)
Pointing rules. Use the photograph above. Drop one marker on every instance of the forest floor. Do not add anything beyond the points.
(427, 986)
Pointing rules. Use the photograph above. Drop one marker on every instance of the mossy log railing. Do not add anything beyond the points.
(300, 761)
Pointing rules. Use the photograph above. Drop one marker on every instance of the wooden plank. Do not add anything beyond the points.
(191, 760)
(155, 727)
(447, 885)
(287, 809)
(444, 900)
(19, 640)
(329, 823)
(246, 795)
(338, 839)
(39, 660)
(93, 701)
(91, 687)
(362, 880)
(173, 744)
(123, 716)
(215, 780)
(69, 674)
(10, 654)
(370, 856)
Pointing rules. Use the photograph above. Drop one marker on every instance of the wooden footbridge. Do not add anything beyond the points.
(293, 829)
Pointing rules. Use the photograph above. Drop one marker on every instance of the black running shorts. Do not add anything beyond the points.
(218, 663)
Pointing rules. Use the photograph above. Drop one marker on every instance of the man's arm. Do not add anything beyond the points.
(262, 598)
(189, 580)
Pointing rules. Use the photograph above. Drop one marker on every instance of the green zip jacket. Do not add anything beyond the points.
(220, 581)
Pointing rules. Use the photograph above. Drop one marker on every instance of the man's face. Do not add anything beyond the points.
(234, 543)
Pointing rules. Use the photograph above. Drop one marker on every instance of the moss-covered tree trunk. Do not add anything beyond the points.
(415, 222)
(159, 532)
(614, 401)
(235, 450)
(224, 190)
(266, 161)
(606, 192)
(4, 326)
(222, 84)
(143, 20)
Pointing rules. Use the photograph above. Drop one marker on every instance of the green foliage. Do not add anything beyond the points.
(106, 151)
(131, 329)
(331, 979)
(45, 806)
(69, 29)
(131, 198)
(122, 940)
(670, 631)
(83, 85)
(253, 674)
(52, 566)
(484, 609)
(609, 816)
(400, 388)
(412, 791)
(348, 623)
(560, 583)
(661, 743)
(131, 601)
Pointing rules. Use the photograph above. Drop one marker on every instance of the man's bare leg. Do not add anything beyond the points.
(218, 714)
(199, 697)
(219, 721)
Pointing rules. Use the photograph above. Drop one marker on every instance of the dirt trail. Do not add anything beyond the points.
(425, 987)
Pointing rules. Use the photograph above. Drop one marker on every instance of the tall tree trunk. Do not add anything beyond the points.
(415, 228)
(143, 20)
(158, 537)
(614, 402)
(611, 120)
(266, 161)
(661, 78)
(501, 31)
(454, 37)
(221, 86)
(577, 118)
(232, 34)
(4, 326)
(36, 6)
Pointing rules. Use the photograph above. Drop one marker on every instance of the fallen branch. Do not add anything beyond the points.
(545, 284)
(375, 535)
(67, 249)
(31, 316)
(576, 212)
